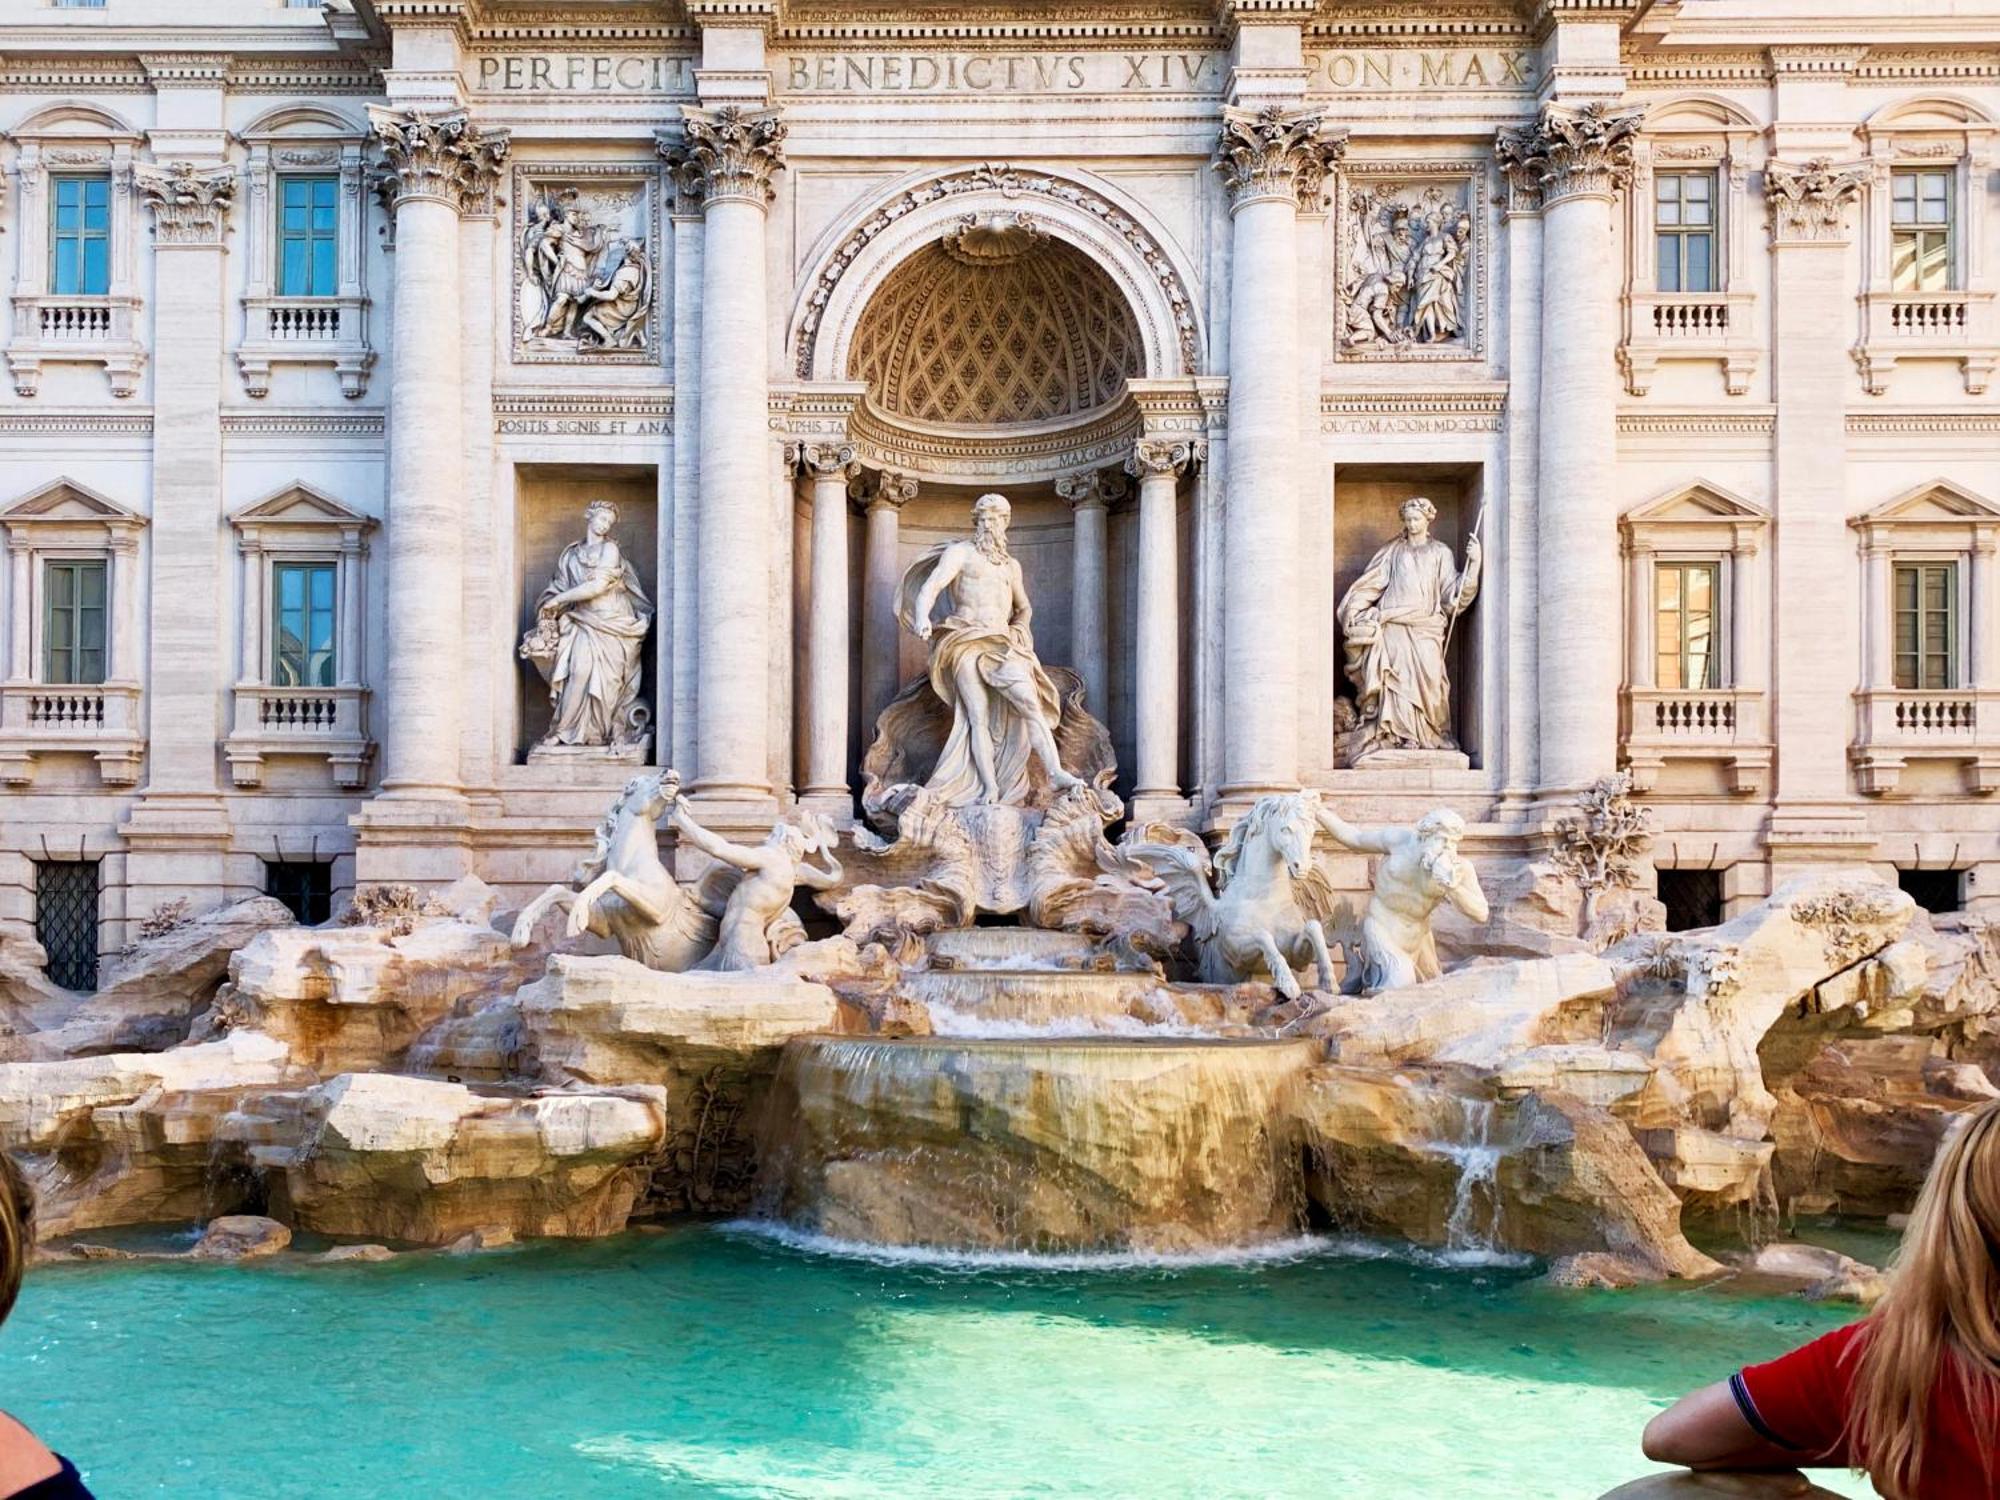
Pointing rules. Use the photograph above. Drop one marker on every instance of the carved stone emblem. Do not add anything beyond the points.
(1809, 201)
(190, 204)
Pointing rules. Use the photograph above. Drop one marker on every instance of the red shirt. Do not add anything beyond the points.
(1799, 1401)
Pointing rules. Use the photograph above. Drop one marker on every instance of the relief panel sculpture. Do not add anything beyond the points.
(584, 268)
(1410, 261)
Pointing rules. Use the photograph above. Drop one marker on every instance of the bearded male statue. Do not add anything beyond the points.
(1004, 707)
(1421, 869)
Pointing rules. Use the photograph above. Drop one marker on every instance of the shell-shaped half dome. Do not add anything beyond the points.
(997, 323)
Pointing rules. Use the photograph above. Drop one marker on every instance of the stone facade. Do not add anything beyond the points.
(1207, 290)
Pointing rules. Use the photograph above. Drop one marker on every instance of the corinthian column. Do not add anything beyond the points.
(1089, 497)
(1578, 160)
(1812, 296)
(830, 466)
(881, 643)
(1158, 464)
(436, 163)
(727, 157)
(1270, 161)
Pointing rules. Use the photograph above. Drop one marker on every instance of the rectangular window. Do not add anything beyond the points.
(1693, 898)
(1684, 230)
(305, 886)
(79, 4)
(1685, 596)
(1926, 626)
(302, 624)
(66, 920)
(308, 230)
(1936, 891)
(1920, 229)
(81, 245)
(73, 621)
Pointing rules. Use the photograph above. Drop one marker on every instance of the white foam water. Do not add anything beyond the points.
(1287, 1251)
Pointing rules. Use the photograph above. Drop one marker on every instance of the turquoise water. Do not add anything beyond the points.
(706, 1362)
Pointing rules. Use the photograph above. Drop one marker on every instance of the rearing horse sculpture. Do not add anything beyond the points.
(1265, 911)
(624, 892)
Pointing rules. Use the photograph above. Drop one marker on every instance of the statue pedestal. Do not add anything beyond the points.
(636, 754)
(1388, 759)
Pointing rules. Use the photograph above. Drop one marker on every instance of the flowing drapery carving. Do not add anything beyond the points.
(441, 156)
(1568, 153)
(1268, 153)
(726, 153)
(1808, 201)
(190, 204)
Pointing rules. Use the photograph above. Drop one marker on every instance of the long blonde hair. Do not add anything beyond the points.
(1941, 1317)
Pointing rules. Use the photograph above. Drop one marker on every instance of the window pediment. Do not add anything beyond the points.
(298, 505)
(1938, 504)
(1692, 517)
(65, 504)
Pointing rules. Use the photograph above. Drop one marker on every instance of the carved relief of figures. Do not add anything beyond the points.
(1407, 254)
(590, 624)
(583, 270)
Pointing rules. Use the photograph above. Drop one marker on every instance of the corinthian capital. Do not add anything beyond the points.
(726, 153)
(190, 204)
(1155, 456)
(1101, 487)
(1808, 201)
(1568, 153)
(441, 156)
(1267, 153)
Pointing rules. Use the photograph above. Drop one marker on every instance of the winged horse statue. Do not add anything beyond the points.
(1265, 909)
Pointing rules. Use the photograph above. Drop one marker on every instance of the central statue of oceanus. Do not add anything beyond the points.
(1004, 706)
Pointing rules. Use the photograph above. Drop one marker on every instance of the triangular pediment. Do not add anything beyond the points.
(1940, 502)
(1695, 503)
(64, 500)
(300, 505)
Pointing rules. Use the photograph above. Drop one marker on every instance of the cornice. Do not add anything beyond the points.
(558, 405)
(76, 421)
(302, 422)
(1913, 420)
(1755, 422)
(1432, 409)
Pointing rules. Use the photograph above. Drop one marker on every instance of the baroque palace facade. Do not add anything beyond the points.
(325, 324)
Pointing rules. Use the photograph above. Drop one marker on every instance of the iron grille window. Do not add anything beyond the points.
(1920, 230)
(1926, 626)
(1936, 891)
(73, 621)
(302, 633)
(1684, 230)
(1685, 596)
(308, 225)
(305, 887)
(66, 920)
(81, 244)
(1693, 898)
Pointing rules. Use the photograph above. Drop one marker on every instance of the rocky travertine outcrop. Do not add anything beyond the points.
(349, 999)
(147, 995)
(1544, 1173)
(418, 1160)
(129, 1138)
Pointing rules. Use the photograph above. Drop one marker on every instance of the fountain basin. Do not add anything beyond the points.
(1068, 1144)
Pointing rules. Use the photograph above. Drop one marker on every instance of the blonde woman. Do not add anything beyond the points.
(28, 1470)
(1912, 1392)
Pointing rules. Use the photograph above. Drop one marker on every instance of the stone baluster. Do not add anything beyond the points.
(1270, 160)
(830, 467)
(1578, 160)
(436, 162)
(1089, 496)
(727, 156)
(1158, 463)
(881, 643)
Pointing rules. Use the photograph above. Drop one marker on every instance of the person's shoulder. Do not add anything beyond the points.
(25, 1460)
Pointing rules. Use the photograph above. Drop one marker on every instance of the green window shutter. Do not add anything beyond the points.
(75, 596)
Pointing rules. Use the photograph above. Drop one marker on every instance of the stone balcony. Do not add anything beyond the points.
(75, 330)
(329, 723)
(1729, 726)
(1713, 326)
(1953, 325)
(98, 719)
(1894, 727)
(305, 331)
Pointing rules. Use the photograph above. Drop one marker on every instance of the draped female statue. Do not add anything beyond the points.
(590, 624)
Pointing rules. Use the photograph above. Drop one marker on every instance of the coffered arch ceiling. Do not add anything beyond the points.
(996, 324)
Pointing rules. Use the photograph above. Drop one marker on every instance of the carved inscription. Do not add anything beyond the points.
(584, 73)
(1384, 70)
